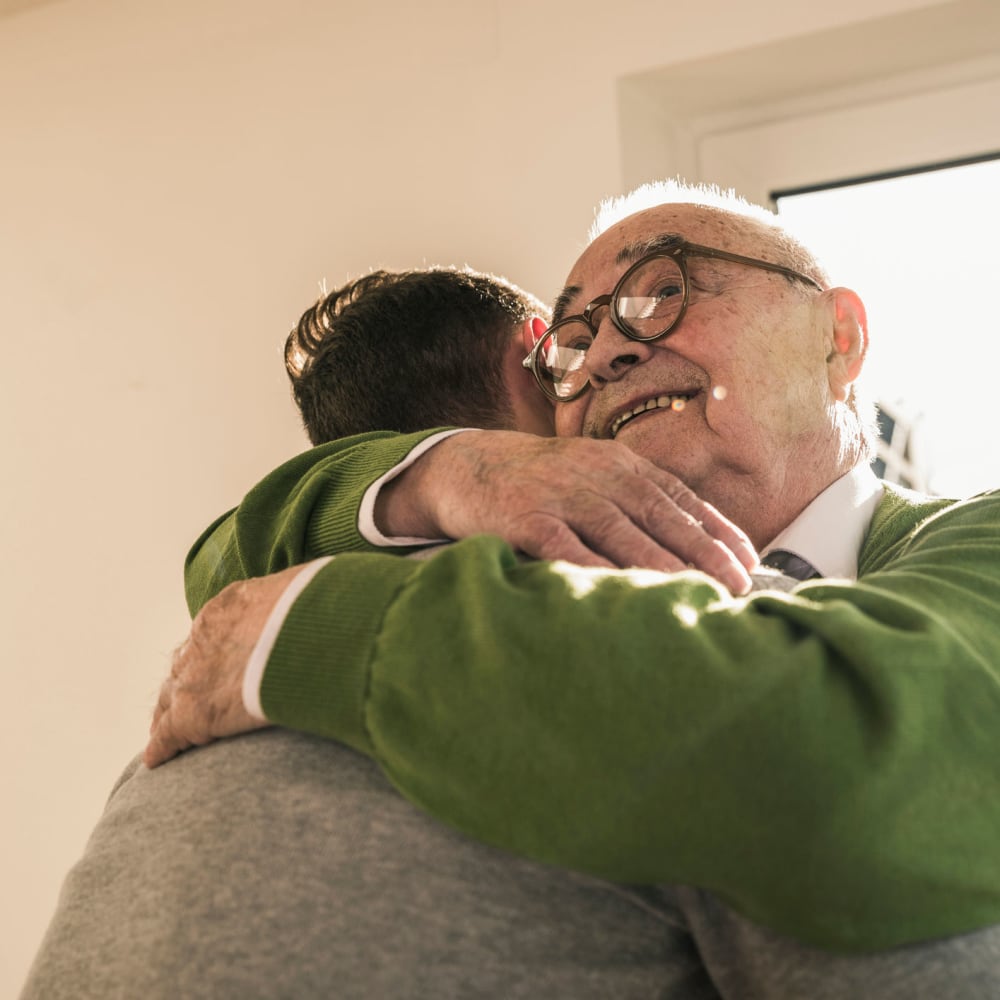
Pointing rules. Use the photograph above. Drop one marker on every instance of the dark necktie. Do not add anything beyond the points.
(790, 564)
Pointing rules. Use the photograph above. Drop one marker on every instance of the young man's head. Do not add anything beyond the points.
(416, 349)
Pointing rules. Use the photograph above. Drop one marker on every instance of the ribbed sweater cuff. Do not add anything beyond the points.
(334, 522)
(316, 678)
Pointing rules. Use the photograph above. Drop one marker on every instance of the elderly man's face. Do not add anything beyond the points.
(743, 410)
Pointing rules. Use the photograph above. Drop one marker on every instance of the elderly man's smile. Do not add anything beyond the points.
(673, 401)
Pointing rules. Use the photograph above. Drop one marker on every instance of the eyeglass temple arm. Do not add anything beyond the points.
(766, 265)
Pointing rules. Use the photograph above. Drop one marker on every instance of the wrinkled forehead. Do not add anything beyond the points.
(610, 254)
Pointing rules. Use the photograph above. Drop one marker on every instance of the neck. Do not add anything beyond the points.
(766, 509)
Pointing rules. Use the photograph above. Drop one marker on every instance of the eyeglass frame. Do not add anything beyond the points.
(679, 254)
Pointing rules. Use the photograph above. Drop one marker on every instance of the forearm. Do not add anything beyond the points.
(589, 502)
(306, 508)
(651, 729)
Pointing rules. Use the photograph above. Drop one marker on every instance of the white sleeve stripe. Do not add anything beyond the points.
(366, 514)
(254, 673)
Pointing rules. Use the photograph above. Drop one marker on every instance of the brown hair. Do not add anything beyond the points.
(405, 351)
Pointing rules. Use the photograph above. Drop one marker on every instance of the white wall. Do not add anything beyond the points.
(174, 181)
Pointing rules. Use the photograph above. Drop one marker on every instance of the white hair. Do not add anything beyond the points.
(793, 250)
(677, 192)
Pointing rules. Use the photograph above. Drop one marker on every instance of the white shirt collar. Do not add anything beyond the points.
(829, 532)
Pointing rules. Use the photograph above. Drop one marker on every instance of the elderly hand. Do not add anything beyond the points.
(202, 699)
(595, 503)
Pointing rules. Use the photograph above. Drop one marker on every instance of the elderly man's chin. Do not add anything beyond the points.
(698, 458)
(661, 438)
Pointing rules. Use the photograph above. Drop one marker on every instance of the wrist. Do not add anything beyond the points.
(408, 506)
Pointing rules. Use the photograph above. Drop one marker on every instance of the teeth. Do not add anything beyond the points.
(659, 403)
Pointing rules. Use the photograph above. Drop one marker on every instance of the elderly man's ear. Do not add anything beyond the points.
(848, 332)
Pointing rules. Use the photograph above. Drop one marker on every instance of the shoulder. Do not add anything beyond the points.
(904, 516)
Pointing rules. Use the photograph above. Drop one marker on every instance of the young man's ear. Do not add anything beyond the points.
(532, 331)
(849, 341)
(532, 411)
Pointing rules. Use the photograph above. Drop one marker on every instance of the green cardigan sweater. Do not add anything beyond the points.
(826, 761)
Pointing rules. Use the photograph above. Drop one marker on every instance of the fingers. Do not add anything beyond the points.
(652, 519)
(164, 742)
(202, 699)
(546, 537)
(166, 736)
(586, 501)
(631, 513)
(658, 536)
(181, 720)
(694, 532)
(714, 523)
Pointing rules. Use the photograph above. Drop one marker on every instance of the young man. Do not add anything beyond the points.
(826, 760)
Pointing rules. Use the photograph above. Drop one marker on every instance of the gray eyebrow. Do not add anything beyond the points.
(563, 300)
(628, 254)
(632, 252)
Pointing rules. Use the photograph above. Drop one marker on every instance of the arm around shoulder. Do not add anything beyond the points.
(799, 754)
(308, 507)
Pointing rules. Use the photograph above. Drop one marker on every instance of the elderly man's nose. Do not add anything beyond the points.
(612, 354)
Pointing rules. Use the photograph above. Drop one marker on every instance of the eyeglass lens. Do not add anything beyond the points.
(648, 300)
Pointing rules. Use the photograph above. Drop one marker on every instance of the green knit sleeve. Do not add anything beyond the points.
(306, 508)
(827, 761)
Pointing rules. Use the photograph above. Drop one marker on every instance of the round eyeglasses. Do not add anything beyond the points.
(647, 303)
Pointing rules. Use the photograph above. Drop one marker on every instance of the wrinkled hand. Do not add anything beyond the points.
(202, 699)
(595, 503)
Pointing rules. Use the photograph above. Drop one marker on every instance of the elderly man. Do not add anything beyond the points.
(823, 760)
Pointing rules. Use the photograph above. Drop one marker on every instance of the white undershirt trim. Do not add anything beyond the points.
(829, 532)
(366, 513)
(254, 673)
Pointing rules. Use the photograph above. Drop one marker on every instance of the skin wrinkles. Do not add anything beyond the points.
(636, 250)
(628, 255)
(752, 350)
